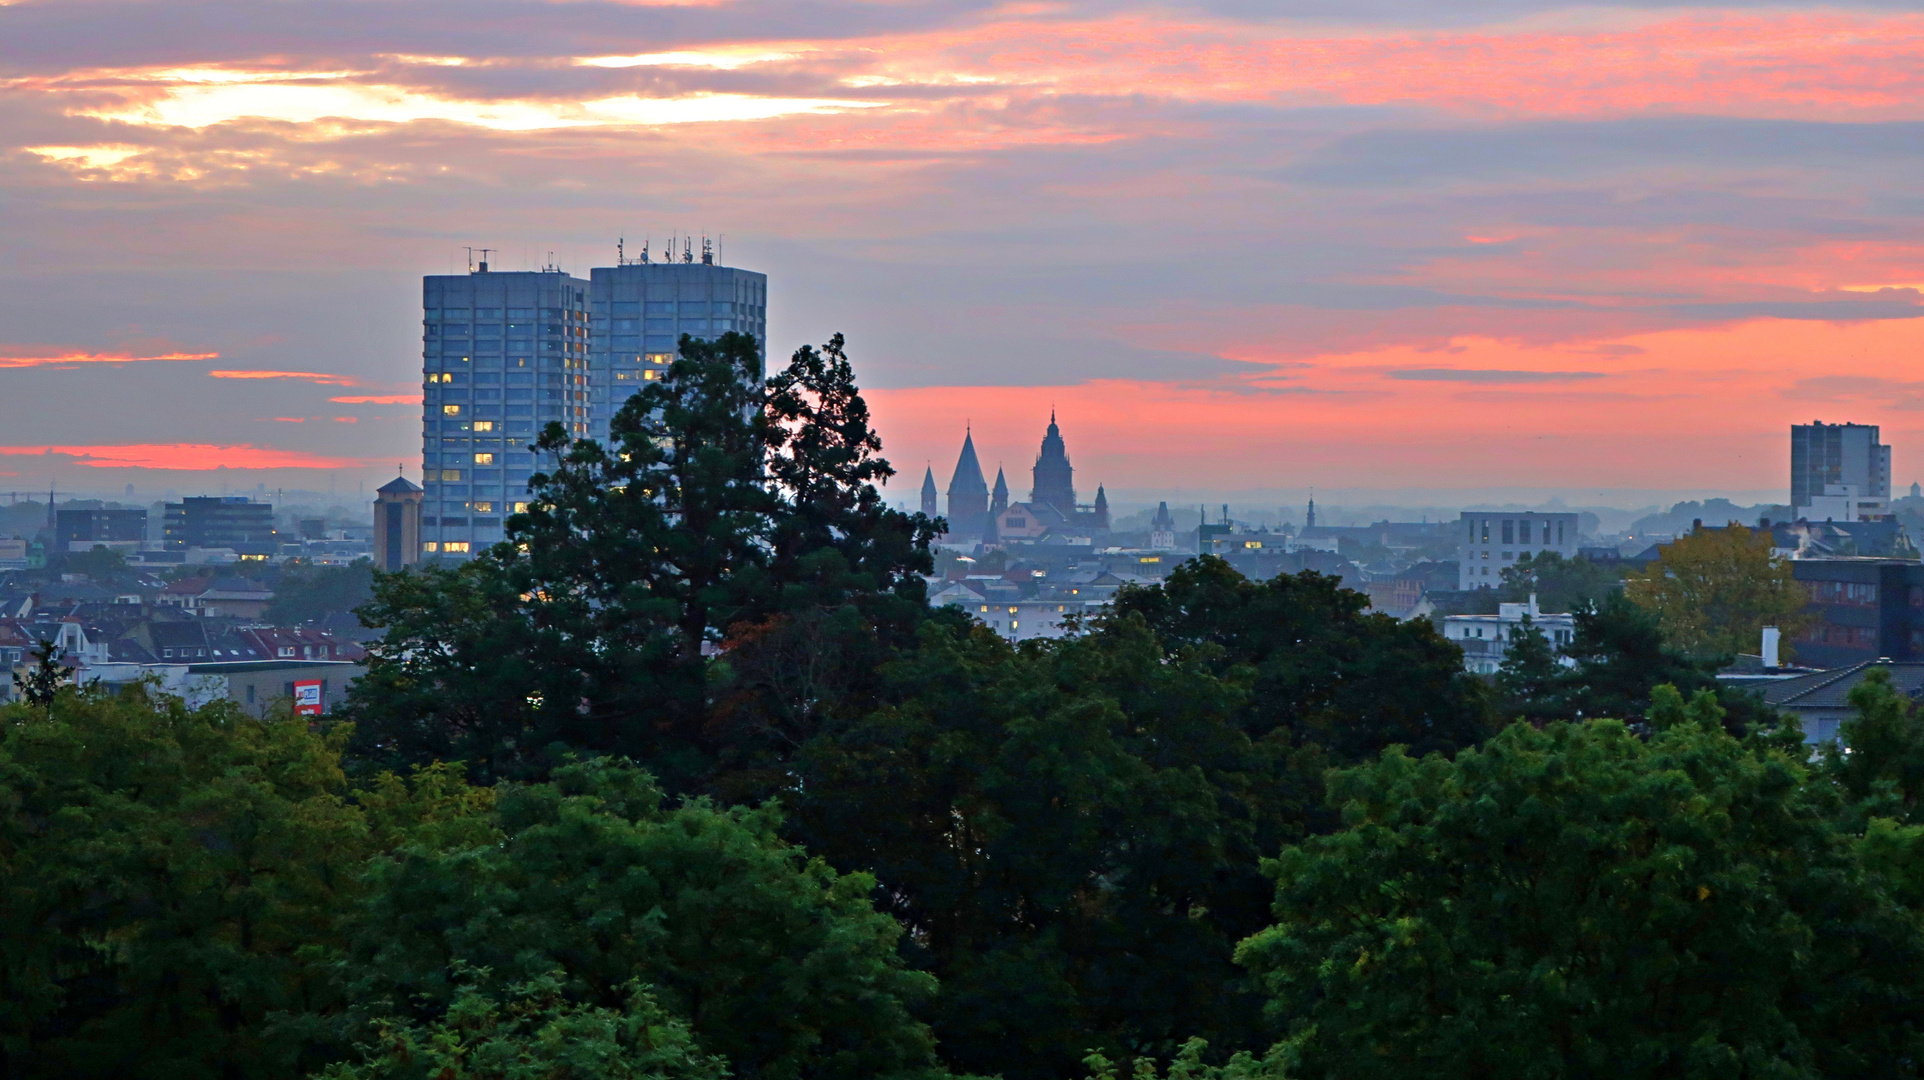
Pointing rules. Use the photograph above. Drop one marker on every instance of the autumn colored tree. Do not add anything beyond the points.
(1714, 590)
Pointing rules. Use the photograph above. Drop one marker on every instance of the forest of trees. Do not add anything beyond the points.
(685, 779)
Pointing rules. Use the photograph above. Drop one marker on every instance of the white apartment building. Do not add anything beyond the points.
(1485, 639)
(1493, 540)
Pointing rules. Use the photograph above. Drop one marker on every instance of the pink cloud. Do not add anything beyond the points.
(188, 456)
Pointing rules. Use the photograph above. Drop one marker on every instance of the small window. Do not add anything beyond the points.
(484, 425)
(450, 410)
(430, 545)
(520, 313)
(456, 546)
(451, 474)
(520, 508)
(484, 459)
(483, 507)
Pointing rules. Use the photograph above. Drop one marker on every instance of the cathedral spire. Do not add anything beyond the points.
(1055, 484)
(968, 494)
(928, 491)
(999, 496)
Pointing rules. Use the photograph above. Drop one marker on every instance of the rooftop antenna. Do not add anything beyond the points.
(619, 260)
(470, 252)
(551, 266)
(644, 251)
(707, 252)
(485, 252)
(688, 249)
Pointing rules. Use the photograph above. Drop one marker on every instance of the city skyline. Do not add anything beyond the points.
(1549, 248)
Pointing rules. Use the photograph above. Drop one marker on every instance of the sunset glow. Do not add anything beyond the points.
(1374, 251)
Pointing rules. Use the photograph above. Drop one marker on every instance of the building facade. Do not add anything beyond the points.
(503, 355)
(1860, 609)
(233, 522)
(1823, 455)
(506, 354)
(1490, 541)
(397, 524)
(639, 310)
(82, 530)
(1485, 639)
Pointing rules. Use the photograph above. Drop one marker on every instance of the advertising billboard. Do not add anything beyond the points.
(307, 698)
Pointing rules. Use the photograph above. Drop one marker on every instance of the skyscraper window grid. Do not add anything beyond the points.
(503, 354)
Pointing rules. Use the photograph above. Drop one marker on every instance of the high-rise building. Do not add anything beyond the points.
(397, 524)
(503, 355)
(1823, 456)
(640, 311)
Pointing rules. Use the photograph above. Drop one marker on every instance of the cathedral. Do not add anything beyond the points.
(976, 512)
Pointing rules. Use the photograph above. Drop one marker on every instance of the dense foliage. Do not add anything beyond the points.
(684, 780)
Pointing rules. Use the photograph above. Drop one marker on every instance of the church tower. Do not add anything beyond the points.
(929, 509)
(1100, 519)
(1055, 483)
(968, 494)
(999, 498)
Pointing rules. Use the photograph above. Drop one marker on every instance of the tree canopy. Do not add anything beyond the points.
(1714, 590)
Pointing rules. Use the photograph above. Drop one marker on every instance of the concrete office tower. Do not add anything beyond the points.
(968, 493)
(640, 311)
(1823, 455)
(1493, 541)
(397, 524)
(503, 354)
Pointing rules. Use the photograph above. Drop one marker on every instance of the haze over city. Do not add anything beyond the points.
(1389, 249)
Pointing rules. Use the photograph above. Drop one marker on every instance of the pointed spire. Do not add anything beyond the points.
(928, 491)
(999, 498)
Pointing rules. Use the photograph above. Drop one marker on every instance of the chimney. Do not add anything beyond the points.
(1534, 613)
(1771, 634)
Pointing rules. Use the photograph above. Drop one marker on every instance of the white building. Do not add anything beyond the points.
(1485, 639)
(1492, 541)
(1844, 502)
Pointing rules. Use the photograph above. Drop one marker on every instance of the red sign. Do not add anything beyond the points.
(307, 698)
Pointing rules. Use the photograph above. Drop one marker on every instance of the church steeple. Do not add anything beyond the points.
(1054, 477)
(929, 508)
(999, 497)
(1102, 508)
(968, 494)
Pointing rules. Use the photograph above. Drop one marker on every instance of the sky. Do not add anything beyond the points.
(1435, 247)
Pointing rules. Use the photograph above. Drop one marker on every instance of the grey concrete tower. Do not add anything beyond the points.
(641, 309)
(503, 355)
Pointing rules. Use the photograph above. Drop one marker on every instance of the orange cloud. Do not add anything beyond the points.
(290, 419)
(379, 399)
(63, 359)
(187, 456)
(303, 376)
(347, 419)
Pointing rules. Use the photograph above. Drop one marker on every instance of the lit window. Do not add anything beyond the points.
(1012, 611)
(520, 508)
(649, 375)
(456, 546)
(450, 410)
(484, 425)
(430, 546)
(450, 474)
(483, 507)
(484, 459)
(985, 607)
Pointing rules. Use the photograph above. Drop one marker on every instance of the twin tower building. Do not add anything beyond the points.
(975, 512)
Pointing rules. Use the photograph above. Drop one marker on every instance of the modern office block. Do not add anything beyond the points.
(1492, 541)
(81, 530)
(1823, 456)
(641, 309)
(503, 355)
(220, 522)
